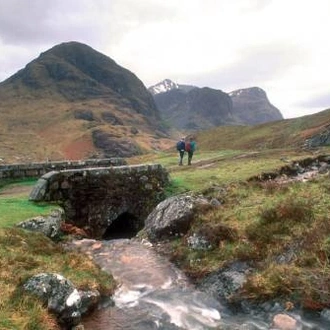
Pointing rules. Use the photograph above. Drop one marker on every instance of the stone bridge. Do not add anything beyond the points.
(36, 170)
(104, 201)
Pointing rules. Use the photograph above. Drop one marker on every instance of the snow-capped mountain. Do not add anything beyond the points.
(163, 87)
(168, 85)
(191, 107)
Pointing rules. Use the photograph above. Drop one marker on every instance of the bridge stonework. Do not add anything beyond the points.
(94, 198)
(36, 170)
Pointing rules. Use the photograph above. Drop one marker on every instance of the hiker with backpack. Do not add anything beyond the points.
(180, 146)
(190, 147)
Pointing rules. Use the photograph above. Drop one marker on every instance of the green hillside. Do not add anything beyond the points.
(288, 133)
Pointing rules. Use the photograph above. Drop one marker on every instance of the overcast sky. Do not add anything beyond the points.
(281, 46)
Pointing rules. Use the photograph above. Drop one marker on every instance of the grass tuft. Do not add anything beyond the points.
(21, 257)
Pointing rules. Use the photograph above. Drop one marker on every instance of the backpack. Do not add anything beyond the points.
(180, 145)
(188, 146)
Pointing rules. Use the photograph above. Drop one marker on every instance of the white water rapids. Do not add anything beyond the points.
(152, 293)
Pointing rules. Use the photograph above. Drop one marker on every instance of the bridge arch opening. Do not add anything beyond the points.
(126, 225)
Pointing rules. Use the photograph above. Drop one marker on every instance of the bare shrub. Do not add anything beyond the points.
(217, 233)
(280, 220)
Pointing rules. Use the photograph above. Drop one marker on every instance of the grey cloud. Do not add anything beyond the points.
(145, 11)
(38, 21)
(256, 66)
(321, 101)
(20, 21)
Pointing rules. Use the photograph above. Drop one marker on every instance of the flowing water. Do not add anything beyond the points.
(153, 294)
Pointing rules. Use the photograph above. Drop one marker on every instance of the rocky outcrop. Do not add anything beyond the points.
(110, 118)
(225, 282)
(318, 140)
(96, 199)
(49, 225)
(62, 298)
(84, 115)
(172, 217)
(302, 170)
(113, 146)
(199, 108)
(190, 107)
(251, 106)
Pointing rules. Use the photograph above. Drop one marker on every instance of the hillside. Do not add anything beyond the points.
(73, 102)
(191, 108)
(304, 132)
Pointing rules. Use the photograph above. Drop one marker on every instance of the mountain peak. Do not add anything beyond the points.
(76, 102)
(251, 91)
(252, 106)
(162, 87)
(75, 71)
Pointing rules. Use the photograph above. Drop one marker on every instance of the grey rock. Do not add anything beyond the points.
(325, 314)
(196, 242)
(49, 225)
(89, 300)
(226, 281)
(59, 294)
(324, 168)
(215, 202)
(84, 115)
(172, 217)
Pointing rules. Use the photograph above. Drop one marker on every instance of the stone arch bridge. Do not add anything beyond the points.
(104, 200)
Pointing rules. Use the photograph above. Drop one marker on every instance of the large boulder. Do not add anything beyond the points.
(226, 281)
(61, 297)
(173, 216)
(49, 225)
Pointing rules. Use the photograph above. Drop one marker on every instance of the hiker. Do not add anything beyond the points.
(180, 146)
(190, 147)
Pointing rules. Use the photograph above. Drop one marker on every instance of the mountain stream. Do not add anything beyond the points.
(154, 294)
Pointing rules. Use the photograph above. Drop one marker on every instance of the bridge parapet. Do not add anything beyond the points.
(94, 198)
(36, 170)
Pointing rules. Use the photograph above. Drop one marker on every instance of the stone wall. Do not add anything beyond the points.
(36, 170)
(94, 198)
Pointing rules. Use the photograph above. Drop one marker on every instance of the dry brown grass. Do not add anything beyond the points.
(45, 128)
(21, 257)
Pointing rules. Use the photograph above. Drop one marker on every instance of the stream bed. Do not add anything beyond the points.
(154, 294)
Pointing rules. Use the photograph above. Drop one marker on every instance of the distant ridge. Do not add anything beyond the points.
(251, 106)
(193, 108)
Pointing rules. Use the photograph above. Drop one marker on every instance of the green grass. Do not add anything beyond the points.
(256, 222)
(16, 209)
(21, 258)
(269, 222)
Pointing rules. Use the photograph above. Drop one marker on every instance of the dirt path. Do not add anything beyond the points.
(15, 190)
